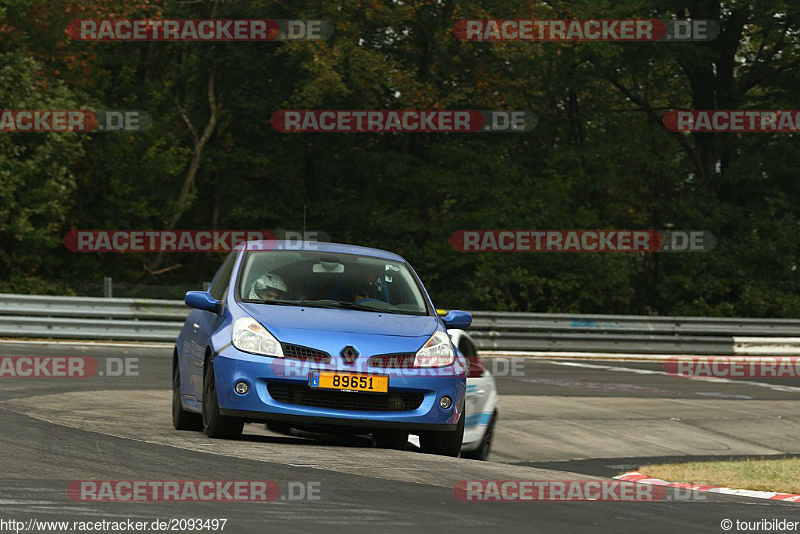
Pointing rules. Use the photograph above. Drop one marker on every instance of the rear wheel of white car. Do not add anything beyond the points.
(216, 425)
(181, 419)
(446, 443)
(390, 439)
(482, 452)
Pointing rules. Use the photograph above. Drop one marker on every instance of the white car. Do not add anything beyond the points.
(481, 407)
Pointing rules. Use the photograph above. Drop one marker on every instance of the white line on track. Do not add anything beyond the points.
(613, 356)
(774, 387)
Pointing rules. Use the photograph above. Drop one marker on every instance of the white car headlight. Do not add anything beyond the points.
(436, 352)
(250, 336)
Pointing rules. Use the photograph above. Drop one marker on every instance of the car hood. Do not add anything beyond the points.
(287, 322)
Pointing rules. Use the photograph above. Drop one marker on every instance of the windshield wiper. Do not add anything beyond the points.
(333, 304)
(352, 306)
(330, 304)
(275, 302)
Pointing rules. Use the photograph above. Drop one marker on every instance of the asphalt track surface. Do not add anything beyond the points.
(560, 420)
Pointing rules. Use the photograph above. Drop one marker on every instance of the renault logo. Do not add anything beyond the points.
(349, 353)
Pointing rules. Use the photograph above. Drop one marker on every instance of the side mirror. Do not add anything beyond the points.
(202, 300)
(457, 319)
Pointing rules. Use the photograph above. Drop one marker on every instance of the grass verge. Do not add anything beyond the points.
(781, 475)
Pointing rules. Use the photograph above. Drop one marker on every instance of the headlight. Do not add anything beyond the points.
(250, 336)
(436, 352)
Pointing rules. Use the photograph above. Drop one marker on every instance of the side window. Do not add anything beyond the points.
(222, 277)
(466, 347)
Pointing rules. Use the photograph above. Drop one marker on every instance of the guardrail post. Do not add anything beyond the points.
(107, 289)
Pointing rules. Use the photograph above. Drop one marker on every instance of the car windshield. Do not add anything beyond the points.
(328, 280)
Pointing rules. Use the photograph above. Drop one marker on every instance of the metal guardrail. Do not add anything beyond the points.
(633, 334)
(113, 308)
(160, 320)
(510, 321)
(91, 318)
(97, 329)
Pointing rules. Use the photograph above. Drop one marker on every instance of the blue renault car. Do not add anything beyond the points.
(324, 337)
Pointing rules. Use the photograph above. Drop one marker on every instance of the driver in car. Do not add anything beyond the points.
(365, 291)
(269, 287)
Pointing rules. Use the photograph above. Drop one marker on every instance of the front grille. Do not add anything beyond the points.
(344, 400)
(392, 361)
(298, 352)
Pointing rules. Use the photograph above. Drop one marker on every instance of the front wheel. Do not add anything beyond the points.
(447, 443)
(216, 425)
(181, 419)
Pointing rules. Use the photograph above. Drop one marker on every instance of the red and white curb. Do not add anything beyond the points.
(635, 476)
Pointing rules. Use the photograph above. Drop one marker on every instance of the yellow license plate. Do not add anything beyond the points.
(350, 382)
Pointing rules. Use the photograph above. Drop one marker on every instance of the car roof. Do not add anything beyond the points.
(320, 246)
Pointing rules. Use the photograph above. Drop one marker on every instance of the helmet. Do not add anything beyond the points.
(268, 282)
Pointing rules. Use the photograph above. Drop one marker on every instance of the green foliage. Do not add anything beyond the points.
(36, 176)
(600, 157)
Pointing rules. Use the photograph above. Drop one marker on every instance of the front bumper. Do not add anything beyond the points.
(232, 366)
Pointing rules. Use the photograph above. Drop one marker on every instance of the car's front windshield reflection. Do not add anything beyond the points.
(328, 280)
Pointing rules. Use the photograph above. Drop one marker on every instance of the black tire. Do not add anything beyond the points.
(181, 419)
(214, 424)
(390, 439)
(447, 443)
(482, 452)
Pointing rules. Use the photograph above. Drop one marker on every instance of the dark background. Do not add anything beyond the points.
(600, 157)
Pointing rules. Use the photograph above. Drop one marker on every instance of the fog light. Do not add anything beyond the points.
(445, 402)
(241, 388)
